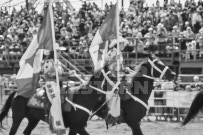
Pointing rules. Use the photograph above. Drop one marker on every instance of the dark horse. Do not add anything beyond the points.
(133, 111)
(195, 107)
(141, 87)
(76, 120)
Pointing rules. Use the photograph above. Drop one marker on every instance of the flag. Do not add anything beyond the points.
(30, 67)
(30, 63)
(107, 31)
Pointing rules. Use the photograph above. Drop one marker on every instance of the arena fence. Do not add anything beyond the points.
(169, 105)
(165, 105)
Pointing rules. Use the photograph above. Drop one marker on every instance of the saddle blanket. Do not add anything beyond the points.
(37, 100)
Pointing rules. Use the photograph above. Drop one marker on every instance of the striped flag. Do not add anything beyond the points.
(107, 31)
(30, 63)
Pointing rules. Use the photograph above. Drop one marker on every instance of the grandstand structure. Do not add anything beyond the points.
(175, 59)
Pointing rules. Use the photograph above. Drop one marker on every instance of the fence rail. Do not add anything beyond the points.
(170, 105)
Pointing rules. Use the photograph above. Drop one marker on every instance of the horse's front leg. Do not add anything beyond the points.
(72, 132)
(81, 131)
(32, 123)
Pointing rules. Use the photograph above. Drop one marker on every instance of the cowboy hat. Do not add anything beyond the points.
(120, 40)
(111, 56)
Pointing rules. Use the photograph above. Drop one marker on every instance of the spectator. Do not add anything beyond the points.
(188, 33)
(150, 37)
(187, 24)
(173, 20)
(144, 30)
(161, 37)
(196, 20)
(200, 41)
(188, 88)
(139, 43)
(197, 84)
(152, 22)
(82, 27)
(175, 32)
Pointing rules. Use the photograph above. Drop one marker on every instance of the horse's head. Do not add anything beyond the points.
(159, 69)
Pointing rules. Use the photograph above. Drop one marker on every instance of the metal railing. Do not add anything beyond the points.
(137, 52)
(169, 105)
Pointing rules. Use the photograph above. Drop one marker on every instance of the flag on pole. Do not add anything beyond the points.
(30, 67)
(107, 31)
(30, 63)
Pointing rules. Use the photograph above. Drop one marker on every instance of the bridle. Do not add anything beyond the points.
(154, 67)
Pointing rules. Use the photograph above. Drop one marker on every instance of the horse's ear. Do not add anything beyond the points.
(151, 56)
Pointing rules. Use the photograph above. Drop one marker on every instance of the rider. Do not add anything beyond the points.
(50, 74)
(111, 56)
(53, 91)
(111, 62)
(49, 68)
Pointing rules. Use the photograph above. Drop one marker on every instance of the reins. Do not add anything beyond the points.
(115, 86)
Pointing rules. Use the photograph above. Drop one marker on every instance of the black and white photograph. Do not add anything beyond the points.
(101, 67)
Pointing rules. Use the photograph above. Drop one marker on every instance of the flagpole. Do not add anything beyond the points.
(54, 41)
(118, 47)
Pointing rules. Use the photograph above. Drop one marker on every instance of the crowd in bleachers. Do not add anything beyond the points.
(156, 24)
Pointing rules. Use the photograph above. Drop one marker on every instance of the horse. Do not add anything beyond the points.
(133, 112)
(140, 88)
(195, 107)
(87, 98)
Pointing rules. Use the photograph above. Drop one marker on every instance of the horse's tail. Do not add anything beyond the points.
(6, 107)
(195, 107)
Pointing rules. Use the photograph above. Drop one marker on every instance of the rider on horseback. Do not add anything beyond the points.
(49, 68)
(52, 90)
(111, 62)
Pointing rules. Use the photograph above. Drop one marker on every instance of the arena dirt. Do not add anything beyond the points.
(98, 128)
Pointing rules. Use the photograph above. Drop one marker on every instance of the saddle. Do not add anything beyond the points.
(38, 99)
(126, 83)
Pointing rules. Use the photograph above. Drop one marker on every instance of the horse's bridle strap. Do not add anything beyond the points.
(164, 71)
(149, 77)
(153, 66)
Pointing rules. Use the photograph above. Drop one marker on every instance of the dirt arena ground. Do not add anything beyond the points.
(99, 128)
